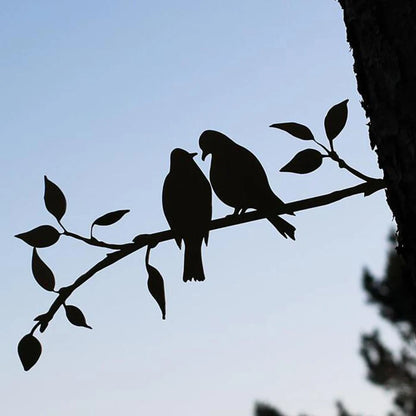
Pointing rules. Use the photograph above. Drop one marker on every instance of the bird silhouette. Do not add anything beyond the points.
(187, 204)
(239, 180)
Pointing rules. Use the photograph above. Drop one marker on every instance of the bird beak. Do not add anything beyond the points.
(204, 155)
(193, 154)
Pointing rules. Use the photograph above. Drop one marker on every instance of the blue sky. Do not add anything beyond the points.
(95, 95)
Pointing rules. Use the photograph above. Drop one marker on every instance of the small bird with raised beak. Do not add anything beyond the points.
(239, 180)
(187, 204)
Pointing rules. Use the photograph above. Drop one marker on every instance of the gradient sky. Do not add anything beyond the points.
(95, 95)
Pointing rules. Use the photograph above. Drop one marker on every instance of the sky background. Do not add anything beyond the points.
(95, 95)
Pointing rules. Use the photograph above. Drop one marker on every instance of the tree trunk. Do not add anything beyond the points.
(382, 36)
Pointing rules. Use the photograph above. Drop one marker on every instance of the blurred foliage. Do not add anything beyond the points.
(395, 299)
(394, 371)
(263, 409)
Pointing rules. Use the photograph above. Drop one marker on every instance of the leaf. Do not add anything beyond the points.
(335, 120)
(43, 326)
(295, 129)
(75, 316)
(43, 236)
(42, 273)
(305, 161)
(110, 218)
(55, 201)
(29, 350)
(156, 288)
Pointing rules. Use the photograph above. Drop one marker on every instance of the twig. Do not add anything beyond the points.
(94, 242)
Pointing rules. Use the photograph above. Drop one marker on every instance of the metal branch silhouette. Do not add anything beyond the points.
(237, 178)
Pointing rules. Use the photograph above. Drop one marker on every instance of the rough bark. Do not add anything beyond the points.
(382, 36)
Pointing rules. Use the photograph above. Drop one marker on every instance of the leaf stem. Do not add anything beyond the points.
(60, 223)
(34, 328)
(323, 147)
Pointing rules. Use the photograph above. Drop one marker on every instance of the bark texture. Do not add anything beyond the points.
(382, 36)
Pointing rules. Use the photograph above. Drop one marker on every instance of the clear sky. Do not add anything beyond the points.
(95, 95)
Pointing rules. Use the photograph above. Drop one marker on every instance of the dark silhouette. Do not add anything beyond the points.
(382, 38)
(239, 180)
(187, 204)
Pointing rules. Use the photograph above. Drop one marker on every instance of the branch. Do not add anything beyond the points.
(151, 240)
(65, 292)
(341, 163)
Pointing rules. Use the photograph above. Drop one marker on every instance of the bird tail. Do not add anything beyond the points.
(284, 228)
(192, 267)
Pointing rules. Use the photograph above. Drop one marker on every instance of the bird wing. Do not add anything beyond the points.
(199, 207)
(172, 195)
(204, 203)
(187, 204)
(238, 178)
(257, 191)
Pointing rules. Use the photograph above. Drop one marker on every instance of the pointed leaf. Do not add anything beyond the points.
(42, 273)
(335, 119)
(54, 198)
(75, 316)
(111, 217)
(156, 288)
(29, 350)
(43, 236)
(305, 161)
(43, 326)
(295, 129)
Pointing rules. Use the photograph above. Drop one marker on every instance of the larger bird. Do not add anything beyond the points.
(239, 180)
(187, 204)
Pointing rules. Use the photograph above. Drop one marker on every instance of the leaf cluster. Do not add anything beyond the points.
(308, 160)
(29, 348)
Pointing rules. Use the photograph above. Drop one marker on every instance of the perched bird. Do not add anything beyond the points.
(187, 204)
(239, 180)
